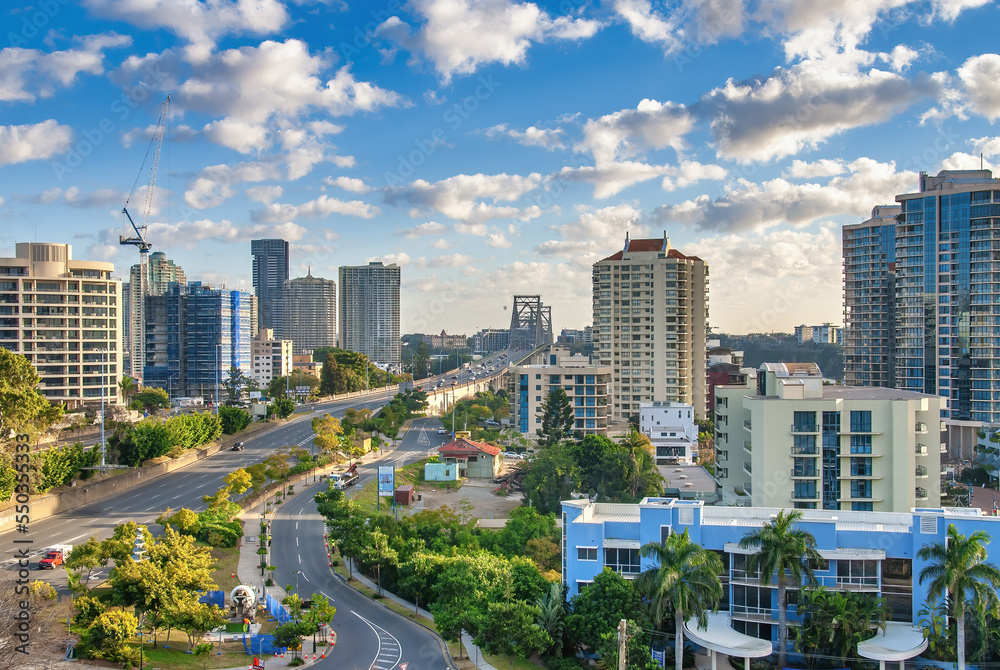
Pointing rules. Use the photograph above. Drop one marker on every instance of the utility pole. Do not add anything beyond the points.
(622, 639)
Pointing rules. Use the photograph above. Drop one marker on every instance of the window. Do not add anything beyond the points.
(857, 573)
(804, 490)
(804, 422)
(861, 421)
(861, 488)
(861, 444)
(582, 584)
(586, 553)
(861, 467)
(622, 561)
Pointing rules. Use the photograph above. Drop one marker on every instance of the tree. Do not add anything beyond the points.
(107, 634)
(557, 418)
(22, 408)
(684, 583)
(290, 634)
(787, 552)
(238, 481)
(128, 387)
(552, 475)
(637, 649)
(150, 400)
(234, 419)
(345, 523)
(378, 553)
(235, 383)
(283, 407)
(330, 378)
(552, 616)
(321, 612)
(958, 573)
(195, 619)
(509, 628)
(86, 556)
(834, 622)
(328, 431)
(600, 606)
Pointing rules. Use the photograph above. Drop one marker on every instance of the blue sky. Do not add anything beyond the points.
(493, 147)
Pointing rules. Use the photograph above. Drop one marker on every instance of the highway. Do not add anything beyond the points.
(368, 635)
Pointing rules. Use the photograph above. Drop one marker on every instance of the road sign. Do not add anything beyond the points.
(302, 390)
(403, 666)
(255, 395)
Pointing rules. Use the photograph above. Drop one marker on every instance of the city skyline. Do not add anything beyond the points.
(499, 165)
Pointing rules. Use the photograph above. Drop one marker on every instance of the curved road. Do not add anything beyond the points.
(369, 636)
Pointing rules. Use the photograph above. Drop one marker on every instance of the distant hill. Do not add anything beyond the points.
(757, 350)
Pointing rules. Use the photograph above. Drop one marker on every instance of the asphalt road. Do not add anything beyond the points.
(183, 488)
(369, 637)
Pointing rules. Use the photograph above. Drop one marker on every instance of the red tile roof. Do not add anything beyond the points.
(463, 446)
(656, 244)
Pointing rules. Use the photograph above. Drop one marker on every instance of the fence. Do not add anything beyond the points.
(276, 609)
(261, 645)
(217, 598)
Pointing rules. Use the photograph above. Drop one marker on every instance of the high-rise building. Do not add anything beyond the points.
(586, 384)
(270, 271)
(207, 332)
(162, 275)
(784, 438)
(651, 321)
(369, 311)
(65, 316)
(272, 358)
(869, 299)
(947, 299)
(306, 311)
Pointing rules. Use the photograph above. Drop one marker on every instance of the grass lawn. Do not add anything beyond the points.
(227, 559)
(176, 658)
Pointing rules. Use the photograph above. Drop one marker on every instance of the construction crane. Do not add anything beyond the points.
(137, 294)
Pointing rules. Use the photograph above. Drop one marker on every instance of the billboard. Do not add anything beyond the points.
(386, 480)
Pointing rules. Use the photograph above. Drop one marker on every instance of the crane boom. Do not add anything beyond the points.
(139, 285)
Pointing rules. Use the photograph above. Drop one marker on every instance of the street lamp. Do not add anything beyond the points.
(454, 406)
(297, 573)
(104, 358)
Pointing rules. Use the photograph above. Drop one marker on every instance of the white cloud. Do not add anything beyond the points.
(238, 135)
(498, 241)
(588, 238)
(609, 179)
(799, 107)
(200, 23)
(33, 142)
(448, 261)
(427, 228)
(748, 206)
(214, 184)
(980, 76)
(987, 145)
(188, 233)
(26, 74)
(532, 136)
(459, 197)
(459, 36)
(691, 172)
(350, 184)
(178, 133)
(320, 207)
(74, 197)
(949, 10)
(692, 22)
(626, 133)
(264, 194)
(796, 275)
(401, 259)
(825, 167)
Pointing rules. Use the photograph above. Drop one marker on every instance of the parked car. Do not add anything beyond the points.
(239, 446)
(442, 431)
(510, 454)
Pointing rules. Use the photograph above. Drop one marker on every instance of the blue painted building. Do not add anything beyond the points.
(862, 551)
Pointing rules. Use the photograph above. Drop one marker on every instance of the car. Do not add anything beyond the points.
(239, 446)
(442, 431)
(510, 454)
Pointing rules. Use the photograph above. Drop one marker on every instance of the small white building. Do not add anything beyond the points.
(271, 358)
(671, 428)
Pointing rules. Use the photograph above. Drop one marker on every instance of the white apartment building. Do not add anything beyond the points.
(788, 439)
(65, 316)
(671, 428)
(270, 358)
(587, 385)
(369, 311)
(650, 305)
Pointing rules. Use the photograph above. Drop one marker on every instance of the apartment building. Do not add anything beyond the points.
(271, 358)
(306, 313)
(872, 552)
(650, 307)
(369, 311)
(587, 385)
(270, 270)
(65, 316)
(671, 428)
(786, 438)
(869, 250)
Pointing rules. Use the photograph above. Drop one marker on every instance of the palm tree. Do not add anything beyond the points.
(958, 571)
(128, 387)
(787, 552)
(684, 581)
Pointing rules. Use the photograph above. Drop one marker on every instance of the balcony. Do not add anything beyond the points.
(748, 446)
(805, 428)
(746, 423)
(921, 471)
(920, 428)
(857, 583)
(921, 450)
(944, 448)
(744, 577)
(805, 473)
(812, 450)
(746, 468)
(920, 493)
(749, 613)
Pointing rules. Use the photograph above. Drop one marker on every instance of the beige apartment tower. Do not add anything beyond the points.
(786, 439)
(65, 317)
(650, 322)
(369, 311)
